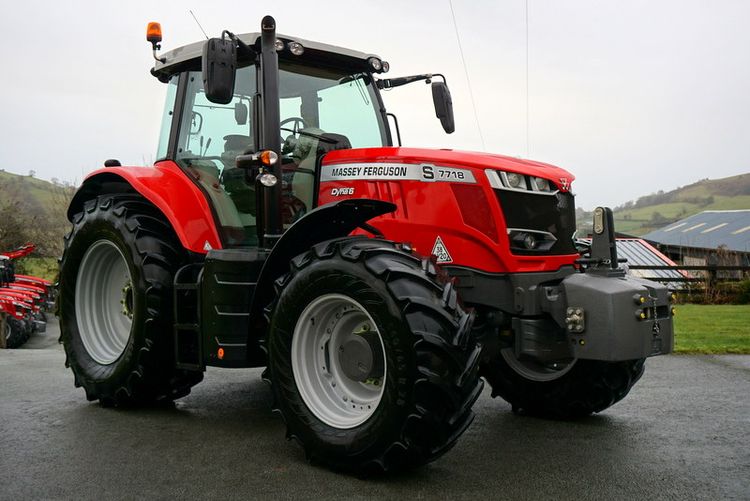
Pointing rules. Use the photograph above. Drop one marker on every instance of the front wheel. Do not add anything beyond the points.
(16, 333)
(565, 390)
(370, 358)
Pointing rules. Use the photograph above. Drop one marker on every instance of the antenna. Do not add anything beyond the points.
(466, 71)
(199, 24)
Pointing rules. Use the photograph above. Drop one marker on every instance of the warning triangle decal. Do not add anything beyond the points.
(440, 251)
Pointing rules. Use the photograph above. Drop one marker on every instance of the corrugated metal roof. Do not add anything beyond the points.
(707, 230)
(639, 252)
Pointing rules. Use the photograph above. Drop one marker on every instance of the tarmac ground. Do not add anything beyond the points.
(682, 433)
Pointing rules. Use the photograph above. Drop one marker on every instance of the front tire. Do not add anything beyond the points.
(15, 333)
(576, 389)
(115, 303)
(371, 360)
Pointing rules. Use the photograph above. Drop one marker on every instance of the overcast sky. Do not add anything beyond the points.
(631, 97)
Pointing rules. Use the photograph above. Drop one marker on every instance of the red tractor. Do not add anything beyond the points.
(16, 328)
(23, 299)
(281, 227)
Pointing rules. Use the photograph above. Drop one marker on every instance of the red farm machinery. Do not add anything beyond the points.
(379, 285)
(24, 299)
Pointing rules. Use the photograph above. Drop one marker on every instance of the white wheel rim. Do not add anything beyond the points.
(104, 302)
(321, 331)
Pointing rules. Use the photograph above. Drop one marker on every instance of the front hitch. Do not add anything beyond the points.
(610, 315)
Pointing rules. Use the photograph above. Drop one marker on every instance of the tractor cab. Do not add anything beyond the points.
(327, 100)
(235, 96)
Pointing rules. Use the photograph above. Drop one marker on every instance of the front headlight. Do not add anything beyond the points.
(519, 182)
(515, 181)
(541, 184)
(526, 240)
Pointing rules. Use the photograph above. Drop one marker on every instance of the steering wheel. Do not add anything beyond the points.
(287, 144)
(298, 123)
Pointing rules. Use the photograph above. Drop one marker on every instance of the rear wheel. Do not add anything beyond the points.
(116, 303)
(565, 390)
(371, 359)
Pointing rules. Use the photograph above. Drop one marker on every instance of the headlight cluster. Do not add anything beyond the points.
(525, 240)
(379, 66)
(520, 182)
(295, 48)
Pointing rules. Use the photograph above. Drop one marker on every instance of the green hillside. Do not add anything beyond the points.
(39, 192)
(659, 209)
(33, 210)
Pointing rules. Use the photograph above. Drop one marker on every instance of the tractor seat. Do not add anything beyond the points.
(306, 152)
(234, 145)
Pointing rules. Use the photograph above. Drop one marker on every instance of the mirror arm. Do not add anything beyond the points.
(389, 83)
(441, 76)
(242, 46)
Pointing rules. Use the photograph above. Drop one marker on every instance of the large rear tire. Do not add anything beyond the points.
(115, 303)
(572, 390)
(371, 359)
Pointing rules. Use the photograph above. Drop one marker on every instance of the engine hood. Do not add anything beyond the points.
(453, 158)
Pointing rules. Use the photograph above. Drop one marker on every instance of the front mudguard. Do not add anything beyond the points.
(333, 220)
(614, 318)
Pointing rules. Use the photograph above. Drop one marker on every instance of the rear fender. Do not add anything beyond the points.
(333, 220)
(168, 188)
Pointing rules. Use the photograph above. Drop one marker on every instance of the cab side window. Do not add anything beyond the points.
(211, 137)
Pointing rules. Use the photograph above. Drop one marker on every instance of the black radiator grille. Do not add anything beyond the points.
(554, 214)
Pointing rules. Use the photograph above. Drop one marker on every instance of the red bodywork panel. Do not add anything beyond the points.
(33, 280)
(22, 251)
(11, 307)
(474, 237)
(182, 202)
(19, 296)
(26, 288)
(466, 216)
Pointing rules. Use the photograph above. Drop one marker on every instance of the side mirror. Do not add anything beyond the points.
(196, 123)
(240, 113)
(441, 97)
(219, 69)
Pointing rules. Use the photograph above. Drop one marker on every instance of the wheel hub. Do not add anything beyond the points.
(127, 300)
(338, 361)
(360, 357)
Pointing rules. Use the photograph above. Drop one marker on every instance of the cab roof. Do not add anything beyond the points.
(189, 56)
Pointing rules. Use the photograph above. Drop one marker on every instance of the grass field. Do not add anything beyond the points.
(712, 329)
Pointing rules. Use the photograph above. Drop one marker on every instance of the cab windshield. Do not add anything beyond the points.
(321, 110)
(331, 101)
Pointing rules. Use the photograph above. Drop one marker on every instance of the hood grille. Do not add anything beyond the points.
(554, 214)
